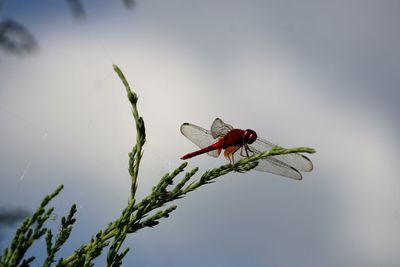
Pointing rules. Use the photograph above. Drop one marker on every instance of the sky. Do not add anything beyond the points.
(322, 74)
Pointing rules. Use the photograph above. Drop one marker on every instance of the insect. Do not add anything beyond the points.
(238, 143)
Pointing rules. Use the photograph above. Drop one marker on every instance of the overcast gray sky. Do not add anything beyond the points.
(323, 74)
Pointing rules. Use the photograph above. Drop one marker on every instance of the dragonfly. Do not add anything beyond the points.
(238, 144)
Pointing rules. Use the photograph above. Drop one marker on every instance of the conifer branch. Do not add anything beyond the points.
(136, 154)
(31, 230)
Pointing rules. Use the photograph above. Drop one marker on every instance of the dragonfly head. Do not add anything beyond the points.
(249, 136)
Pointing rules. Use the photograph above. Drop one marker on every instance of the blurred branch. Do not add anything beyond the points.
(76, 8)
(16, 39)
(9, 217)
(129, 3)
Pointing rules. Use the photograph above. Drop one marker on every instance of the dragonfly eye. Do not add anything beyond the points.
(250, 136)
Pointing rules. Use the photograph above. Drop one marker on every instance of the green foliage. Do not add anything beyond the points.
(31, 229)
(135, 216)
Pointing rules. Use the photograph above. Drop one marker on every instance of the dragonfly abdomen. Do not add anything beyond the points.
(217, 145)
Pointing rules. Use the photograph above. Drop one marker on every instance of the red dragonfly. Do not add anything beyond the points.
(238, 144)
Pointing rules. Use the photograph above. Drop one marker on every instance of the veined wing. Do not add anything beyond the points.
(199, 136)
(219, 128)
(295, 160)
(271, 165)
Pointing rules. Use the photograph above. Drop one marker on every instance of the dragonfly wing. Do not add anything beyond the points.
(271, 165)
(219, 128)
(199, 136)
(275, 166)
(295, 160)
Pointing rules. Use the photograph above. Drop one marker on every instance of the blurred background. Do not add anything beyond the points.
(323, 74)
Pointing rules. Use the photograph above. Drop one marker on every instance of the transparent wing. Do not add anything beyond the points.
(199, 136)
(219, 128)
(295, 160)
(271, 165)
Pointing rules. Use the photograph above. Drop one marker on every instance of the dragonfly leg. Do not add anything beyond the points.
(248, 149)
(245, 149)
(229, 151)
(241, 151)
(233, 152)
